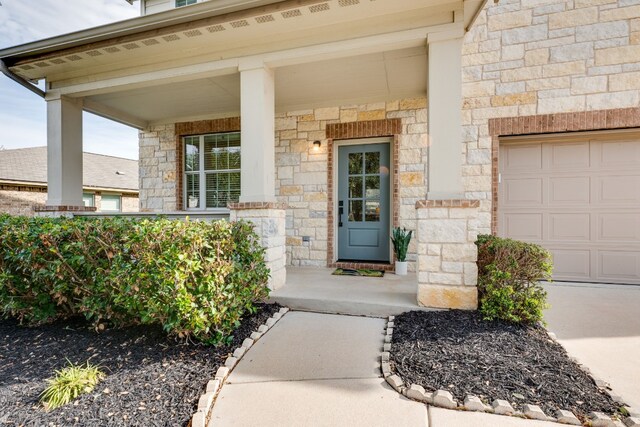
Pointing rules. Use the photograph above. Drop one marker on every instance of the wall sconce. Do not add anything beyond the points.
(316, 145)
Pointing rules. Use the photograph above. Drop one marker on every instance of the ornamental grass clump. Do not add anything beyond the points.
(509, 275)
(69, 383)
(195, 278)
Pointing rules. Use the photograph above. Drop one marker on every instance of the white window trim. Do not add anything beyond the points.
(108, 195)
(175, 4)
(202, 176)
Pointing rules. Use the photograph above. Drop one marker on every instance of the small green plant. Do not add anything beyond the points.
(401, 239)
(69, 383)
(509, 275)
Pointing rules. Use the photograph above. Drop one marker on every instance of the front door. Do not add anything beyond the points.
(363, 202)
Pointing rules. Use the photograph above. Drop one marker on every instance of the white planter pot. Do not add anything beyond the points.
(401, 268)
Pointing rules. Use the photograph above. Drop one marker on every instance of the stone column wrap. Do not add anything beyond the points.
(269, 223)
(447, 254)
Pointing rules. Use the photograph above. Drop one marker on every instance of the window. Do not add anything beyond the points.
(181, 3)
(88, 199)
(211, 170)
(110, 203)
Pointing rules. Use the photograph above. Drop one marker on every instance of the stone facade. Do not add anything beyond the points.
(301, 172)
(269, 222)
(447, 254)
(537, 57)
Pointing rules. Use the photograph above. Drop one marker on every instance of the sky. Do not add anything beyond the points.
(22, 113)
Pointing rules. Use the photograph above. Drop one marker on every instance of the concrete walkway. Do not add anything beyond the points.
(600, 325)
(315, 369)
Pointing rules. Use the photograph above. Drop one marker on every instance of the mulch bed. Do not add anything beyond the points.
(151, 380)
(459, 352)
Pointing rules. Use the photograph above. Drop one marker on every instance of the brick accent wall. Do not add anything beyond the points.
(529, 65)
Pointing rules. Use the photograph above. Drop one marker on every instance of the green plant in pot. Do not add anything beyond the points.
(401, 239)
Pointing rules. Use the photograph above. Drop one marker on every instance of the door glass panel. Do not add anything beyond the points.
(355, 186)
(372, 211)
(355, 210)
(372, 162)
(355, 163)
(373, 187)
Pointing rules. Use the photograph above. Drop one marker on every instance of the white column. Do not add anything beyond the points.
(64, 152)
(257, 109)
(444, 95)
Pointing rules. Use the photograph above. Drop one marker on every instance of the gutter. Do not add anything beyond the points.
(21, 81)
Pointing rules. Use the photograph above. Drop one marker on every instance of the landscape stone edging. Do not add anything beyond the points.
(207, 400)
(444, 399)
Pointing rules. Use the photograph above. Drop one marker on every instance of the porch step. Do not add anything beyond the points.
(348, 307)
(315, 289)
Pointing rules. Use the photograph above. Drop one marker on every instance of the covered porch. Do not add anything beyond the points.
(292, 80)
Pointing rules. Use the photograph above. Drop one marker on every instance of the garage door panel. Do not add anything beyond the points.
(522, 158)
(619, 227)
(583, 204)
(569, 190)
(523, 226)
(565, 156)
(615, 154)
(523, 191)
(616, 266)
(619, 189)
(574, 226)
(571, 264)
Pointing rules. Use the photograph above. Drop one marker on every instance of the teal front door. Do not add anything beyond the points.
(363, 202)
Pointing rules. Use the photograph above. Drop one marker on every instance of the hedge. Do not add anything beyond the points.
(509, 275)
(193, 278)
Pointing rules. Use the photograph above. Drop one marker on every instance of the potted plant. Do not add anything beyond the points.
(401, 238)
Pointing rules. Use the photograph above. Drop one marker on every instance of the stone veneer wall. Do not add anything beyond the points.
(534, 57)
(301, 172)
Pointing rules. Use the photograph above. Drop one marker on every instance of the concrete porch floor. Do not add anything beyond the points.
(315, 289)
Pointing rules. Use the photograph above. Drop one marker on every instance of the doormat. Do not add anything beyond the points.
(364, 272)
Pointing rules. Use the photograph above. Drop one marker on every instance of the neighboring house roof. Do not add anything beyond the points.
(29, 165)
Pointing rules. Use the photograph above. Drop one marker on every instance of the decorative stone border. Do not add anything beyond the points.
(206, 401)
(444, 399)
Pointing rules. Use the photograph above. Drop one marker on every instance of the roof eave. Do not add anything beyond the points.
(130, 26)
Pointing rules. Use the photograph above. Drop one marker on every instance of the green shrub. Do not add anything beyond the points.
(194, 278)
(69, 383)
(509, 274)
(401, 239)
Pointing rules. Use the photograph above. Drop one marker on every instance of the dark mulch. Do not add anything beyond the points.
(460, 352)
(151, 380)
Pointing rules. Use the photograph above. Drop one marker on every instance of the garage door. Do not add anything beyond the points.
(579, 197)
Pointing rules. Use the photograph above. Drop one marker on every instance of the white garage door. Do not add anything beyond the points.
(579, 197)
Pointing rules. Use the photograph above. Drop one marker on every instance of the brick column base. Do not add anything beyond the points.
(269, 223)
(447, 254)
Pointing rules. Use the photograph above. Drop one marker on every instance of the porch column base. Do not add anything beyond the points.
(447, 254)
(269, 223)
(51, 211)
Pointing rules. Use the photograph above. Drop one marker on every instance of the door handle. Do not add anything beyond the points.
(340, 212)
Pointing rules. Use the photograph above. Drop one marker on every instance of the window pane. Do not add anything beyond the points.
(355, 186)
(87, 199)
(355, 210)
(372, 189)
(372, 211)
(193, 191)
(191, 154)
(110, 203)
(355, 163)
(234, 157)
(372, 163)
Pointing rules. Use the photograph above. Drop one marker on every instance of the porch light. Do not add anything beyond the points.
(316, 145)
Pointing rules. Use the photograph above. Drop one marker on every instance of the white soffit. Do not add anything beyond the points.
(360, 79)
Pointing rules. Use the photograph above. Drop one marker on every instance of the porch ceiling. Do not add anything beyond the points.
(356, 79)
